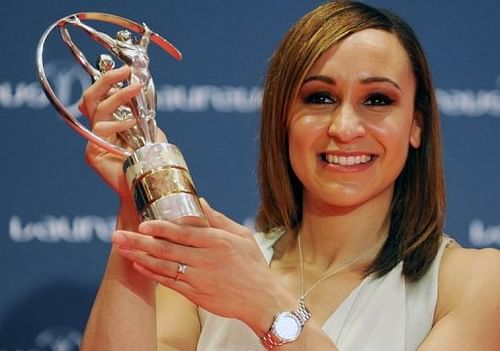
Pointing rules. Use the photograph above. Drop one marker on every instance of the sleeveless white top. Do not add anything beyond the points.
(380, 314)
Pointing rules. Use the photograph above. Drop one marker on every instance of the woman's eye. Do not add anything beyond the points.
(319, 98)
(378, 100)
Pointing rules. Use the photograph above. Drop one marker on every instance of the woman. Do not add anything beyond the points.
(352, 207)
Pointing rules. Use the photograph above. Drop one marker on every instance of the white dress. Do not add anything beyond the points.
(380, 314)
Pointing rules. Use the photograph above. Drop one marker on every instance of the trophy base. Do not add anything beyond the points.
(161, 185)
(174, 206)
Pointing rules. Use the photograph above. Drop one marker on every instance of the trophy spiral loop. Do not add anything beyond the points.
(51, 95)
(156, 173)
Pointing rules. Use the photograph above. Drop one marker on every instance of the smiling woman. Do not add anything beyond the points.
(365, 72)
(356, 103)
(351, 253)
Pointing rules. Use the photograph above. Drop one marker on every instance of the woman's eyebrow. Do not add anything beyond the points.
(369, 80)
(324, 79)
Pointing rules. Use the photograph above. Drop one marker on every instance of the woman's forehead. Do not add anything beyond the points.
(368, 52)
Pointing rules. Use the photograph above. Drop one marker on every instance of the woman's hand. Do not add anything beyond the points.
(98, 103)
(225, 273)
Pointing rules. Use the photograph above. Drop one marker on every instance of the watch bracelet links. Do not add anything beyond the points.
(303, 315)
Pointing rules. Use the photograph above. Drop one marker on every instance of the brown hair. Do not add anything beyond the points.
(417, 210)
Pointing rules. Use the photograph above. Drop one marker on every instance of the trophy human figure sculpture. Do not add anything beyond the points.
(104, 63)
(133, 54)
(156, 173)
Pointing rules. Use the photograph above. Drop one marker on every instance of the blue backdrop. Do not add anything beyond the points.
(56, 215)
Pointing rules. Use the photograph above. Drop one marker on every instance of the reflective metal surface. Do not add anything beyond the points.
(133, 54)
(156, 173)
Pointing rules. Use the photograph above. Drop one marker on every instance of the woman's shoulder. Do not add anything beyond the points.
(467, 312)
(468, 280)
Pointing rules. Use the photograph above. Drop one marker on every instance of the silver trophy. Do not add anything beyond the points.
(156, 173)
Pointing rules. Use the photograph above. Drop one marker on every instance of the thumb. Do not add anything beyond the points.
(220, 221)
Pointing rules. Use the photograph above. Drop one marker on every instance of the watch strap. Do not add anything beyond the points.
(270, 340)
(302, 313)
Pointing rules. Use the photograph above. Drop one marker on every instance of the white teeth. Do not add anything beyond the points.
(347, 161)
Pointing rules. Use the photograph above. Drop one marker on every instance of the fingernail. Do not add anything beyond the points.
(205, 203)
(144, 227)
(119, 238)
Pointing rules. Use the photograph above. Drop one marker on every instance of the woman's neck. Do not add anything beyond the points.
(332, 236)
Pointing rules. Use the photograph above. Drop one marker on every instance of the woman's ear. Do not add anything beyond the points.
(416, 130)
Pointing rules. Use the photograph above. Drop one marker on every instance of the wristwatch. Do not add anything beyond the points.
(286, 327)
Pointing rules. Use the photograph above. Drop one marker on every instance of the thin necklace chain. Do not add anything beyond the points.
(303, 293)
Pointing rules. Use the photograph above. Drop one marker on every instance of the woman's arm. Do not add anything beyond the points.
(468, 310)
(124, 315)
(178, 325)
(131, 313)
(226, 273)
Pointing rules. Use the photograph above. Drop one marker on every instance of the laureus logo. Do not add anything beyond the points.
(55, 338)
(481, 235)
(470, 103)
(68, 80)
(55, 229)
(58, 339)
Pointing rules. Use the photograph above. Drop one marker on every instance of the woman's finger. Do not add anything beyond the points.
(165, 272)
(220, 221)
(179, 285)
(106, 129)
(105, 109)
(159, 248)
(153, 264)
(98, 91)
(160, 135)
(181, 234)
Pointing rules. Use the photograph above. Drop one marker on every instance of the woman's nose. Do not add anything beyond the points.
(346, 124)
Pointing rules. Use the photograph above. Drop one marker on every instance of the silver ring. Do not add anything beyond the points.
(181, 269)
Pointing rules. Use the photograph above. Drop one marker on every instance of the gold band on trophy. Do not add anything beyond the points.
(159, 183)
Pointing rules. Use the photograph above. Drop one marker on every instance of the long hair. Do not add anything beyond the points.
(417, 210)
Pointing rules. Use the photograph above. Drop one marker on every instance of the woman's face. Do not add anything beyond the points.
(353, 121)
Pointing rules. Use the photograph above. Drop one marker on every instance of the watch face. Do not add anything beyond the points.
(287, 327)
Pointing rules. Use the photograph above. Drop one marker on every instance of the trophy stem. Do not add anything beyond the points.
(161, 185)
